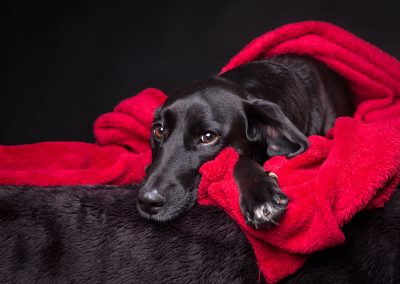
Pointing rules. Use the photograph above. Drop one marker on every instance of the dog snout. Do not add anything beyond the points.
(151, 202)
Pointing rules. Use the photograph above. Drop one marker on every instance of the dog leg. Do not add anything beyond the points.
(261, 200)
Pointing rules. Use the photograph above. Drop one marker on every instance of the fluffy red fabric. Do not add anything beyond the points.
(356, 166)
(119, 157)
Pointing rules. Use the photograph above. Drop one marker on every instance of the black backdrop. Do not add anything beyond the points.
(65, 64)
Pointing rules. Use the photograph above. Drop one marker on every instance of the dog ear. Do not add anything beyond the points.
(266, 123)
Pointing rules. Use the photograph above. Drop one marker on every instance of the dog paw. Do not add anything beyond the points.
(262, 208)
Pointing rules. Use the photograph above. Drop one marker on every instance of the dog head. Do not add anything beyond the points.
(196, 122)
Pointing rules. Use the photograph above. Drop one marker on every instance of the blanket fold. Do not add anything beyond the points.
(356, 166)
(119, 156)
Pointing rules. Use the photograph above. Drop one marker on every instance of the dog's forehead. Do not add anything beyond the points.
(211, 102)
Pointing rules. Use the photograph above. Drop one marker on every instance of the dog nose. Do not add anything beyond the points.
(151, 201)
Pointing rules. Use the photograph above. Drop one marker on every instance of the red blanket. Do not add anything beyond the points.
(119, 157)
(356, 166)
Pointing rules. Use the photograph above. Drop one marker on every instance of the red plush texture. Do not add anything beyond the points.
(355, 167)
(119, 157)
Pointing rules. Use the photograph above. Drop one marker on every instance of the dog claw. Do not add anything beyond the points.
(264, 216)
(274, 222)
(261, 212)
(263, 206)
(279, 199)
(247, 217)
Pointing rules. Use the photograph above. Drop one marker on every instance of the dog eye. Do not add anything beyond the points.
(158, 131)
(209, 137)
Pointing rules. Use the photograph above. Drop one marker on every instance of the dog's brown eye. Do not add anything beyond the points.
(158, 131)
(209, 137)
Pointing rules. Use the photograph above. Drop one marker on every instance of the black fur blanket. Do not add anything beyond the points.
(95, 235)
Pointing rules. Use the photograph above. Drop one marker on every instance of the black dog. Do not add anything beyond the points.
(95, 235)
(262, 109)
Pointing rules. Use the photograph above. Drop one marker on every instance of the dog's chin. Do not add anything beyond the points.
(170, 213)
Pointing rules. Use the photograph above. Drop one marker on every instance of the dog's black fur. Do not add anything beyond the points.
(95, 235)
(262, 109)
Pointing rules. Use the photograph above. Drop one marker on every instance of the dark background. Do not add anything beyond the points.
(65, 64)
